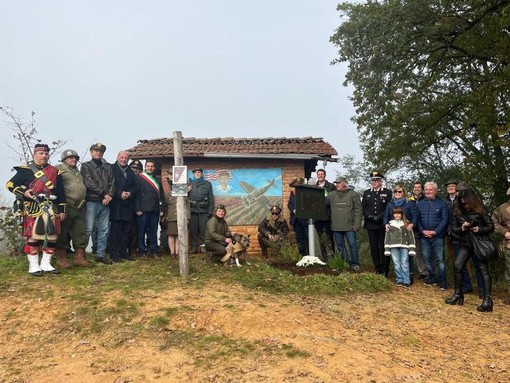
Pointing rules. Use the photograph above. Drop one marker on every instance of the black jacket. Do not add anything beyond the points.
(374, 206)
(123, 210)
(483, 221)
(148, 198)
(98, 179)
(201, 197)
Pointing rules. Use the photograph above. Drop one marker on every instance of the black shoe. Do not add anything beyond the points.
(104, 260)
(36, 273)
(128, 258)
(486, 306)
(430, 283)
(456, 299)
(423, 276)
(116, 260)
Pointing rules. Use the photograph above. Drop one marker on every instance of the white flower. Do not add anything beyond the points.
(308, 260)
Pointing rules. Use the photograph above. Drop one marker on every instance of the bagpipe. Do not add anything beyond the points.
(40, 208)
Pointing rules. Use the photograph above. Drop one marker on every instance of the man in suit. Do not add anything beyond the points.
(122, 208)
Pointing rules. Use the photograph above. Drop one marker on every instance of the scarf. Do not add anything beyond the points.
(398, 201)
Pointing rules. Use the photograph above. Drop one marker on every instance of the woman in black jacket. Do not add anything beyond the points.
(470, 219)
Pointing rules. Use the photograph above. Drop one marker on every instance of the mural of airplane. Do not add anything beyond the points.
(256, 195)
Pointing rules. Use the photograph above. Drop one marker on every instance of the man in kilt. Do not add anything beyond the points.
(42, 214)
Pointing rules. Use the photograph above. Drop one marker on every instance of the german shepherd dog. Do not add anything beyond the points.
(236, 249)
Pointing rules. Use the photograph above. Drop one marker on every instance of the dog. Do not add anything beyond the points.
(237, 249)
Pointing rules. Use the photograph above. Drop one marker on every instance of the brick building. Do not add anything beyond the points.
(248, 174)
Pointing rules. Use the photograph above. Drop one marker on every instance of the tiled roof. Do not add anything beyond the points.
(196, 147)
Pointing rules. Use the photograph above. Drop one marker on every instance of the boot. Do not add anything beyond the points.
(33, 265)
(486, 305)
(62, 260)
(456, 299)
(46, 266)
(79, 258)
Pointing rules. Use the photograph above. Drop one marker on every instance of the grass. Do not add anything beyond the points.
(268, 279)
(114, 302)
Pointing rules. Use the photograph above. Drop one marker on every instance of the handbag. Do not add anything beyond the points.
(484, 248)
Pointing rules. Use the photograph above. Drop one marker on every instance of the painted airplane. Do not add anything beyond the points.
(256, 195)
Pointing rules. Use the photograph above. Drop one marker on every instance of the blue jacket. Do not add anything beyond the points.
(409, 209)
(433, 215)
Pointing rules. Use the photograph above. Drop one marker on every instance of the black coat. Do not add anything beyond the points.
(123, 210)
(374, 205)
(483, 221)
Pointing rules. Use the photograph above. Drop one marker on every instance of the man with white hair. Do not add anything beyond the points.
(433, 220)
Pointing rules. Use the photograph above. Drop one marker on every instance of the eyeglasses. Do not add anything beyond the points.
(398, 191)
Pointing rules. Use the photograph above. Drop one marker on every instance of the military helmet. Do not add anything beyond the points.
(69, 153)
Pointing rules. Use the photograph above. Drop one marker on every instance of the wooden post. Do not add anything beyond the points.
(182, 214)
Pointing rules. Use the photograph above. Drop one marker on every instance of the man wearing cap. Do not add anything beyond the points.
(74, 224)
(202, 204)
(501, 219)
(273, 230)
(346, 213)
(323, 227)
(98, 177)
(218, 235)
(122, 208)
(374, 204)
(300, 225)
(42, 215)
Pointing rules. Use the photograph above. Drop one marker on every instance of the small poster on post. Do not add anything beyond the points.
(179, 181)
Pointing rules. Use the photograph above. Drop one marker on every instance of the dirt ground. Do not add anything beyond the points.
(405, 335)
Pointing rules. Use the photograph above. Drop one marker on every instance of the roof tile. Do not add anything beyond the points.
(163, 147)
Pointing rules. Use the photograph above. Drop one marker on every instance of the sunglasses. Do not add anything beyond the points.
(275, 213)
(398, 191)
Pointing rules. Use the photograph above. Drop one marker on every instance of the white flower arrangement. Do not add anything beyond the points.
(309, 260)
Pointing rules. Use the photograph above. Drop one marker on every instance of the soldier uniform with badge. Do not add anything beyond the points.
(273, 230)
(202, 203)
(40, 186)
(74, 224)
(374, 204)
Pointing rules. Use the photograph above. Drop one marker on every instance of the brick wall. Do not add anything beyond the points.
(290, 170)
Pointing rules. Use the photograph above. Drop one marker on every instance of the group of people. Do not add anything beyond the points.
(118, 206)
(403, 228)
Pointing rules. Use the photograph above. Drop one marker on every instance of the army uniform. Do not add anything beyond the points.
(374, 204)
(74, 224)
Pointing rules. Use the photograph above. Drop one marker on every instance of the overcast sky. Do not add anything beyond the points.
(120, 71)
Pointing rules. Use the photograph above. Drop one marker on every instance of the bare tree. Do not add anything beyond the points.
(25, 135)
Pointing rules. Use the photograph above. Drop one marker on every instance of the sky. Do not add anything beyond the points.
(120, 71)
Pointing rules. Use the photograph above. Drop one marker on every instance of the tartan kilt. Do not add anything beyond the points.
(28, 227)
